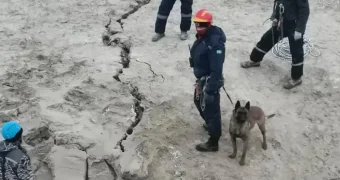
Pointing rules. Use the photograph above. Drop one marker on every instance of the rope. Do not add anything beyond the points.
(281, 49)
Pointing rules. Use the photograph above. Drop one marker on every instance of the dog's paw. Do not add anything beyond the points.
(232, 156)
(242, 163)
(264, 146)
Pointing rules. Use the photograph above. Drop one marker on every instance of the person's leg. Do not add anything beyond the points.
(162, 16)
(296, 50)
(186, 15)
(212, 113)
(267, 41)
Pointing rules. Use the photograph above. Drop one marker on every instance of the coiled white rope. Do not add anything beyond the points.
(281, 49)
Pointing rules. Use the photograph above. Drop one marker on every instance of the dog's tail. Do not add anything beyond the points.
(270, 116)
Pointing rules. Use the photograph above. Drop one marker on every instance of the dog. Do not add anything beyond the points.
(242, 121)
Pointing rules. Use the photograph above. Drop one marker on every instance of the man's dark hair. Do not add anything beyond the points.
(17, 137)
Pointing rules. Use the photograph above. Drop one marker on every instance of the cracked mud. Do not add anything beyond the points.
(99, 101)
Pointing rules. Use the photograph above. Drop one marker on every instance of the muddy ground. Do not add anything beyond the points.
(79, 74)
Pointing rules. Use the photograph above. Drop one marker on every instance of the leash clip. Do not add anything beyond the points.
(197, 91)
(282, 8)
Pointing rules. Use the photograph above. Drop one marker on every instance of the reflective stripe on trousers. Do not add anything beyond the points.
(262, 51)
(297, 64)
(186, 15)
(161, 16)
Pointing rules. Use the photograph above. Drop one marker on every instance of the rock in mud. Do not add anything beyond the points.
(99, 170)
(38, 154)
(37, 135)
(67, 163)
(132, 165)
(79, 141)
(5, 117)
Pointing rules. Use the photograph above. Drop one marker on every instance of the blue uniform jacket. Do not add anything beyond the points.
(208, 54)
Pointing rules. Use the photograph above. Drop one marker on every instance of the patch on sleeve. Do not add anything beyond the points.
(219, 51)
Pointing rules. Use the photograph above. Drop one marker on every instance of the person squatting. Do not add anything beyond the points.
(289, 20)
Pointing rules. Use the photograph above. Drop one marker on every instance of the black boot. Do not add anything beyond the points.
(210, 146)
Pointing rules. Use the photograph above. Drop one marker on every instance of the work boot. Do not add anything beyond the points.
(183, 36)
(248, 64)
(292, 83)
(210, 146)
(157, 37)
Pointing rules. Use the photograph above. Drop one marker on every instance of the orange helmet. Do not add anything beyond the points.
(203, 16)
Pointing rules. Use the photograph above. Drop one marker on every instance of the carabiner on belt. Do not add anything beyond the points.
(282, 8)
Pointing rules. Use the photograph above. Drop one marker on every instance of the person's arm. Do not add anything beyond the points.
(274, 14)
(216, 60)
(302, 16)
(24, 170)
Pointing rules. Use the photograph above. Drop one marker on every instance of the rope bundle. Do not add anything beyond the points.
(281, 49)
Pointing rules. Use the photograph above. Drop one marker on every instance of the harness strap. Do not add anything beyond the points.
(197, 94)
(3, 168)
(280, 23)
(199, 89)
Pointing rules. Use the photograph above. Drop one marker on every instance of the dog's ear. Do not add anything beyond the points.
(248, 105)
(237, 105)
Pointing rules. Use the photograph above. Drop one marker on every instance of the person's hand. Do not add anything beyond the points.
(297, 35)
(208, 98)
(274, 22)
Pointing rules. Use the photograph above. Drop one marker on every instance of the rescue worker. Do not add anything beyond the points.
(289, 20)
(163, 14)
(207, 58)
(14, 161)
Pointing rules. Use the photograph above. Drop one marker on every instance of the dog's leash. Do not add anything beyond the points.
(228, 96)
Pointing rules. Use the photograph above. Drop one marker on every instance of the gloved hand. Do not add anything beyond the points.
(208, 98)
(274, 22)
(297, 35)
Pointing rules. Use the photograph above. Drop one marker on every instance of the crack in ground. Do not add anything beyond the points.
(133, 10)
(112, 170)
(87, 169)
(139, 110)
(125, 46)
(125, 53)
(150, 68)
(116, 76)
(120, 143)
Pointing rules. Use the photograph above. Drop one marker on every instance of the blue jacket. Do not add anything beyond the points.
(208, 54)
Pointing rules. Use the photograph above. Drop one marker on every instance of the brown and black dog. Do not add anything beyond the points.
(242, 121)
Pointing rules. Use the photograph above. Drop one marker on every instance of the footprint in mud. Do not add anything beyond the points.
(275, 144)
(16, 83)
(73, 70)
(78, 97)
(23, 73)
(66, 108)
